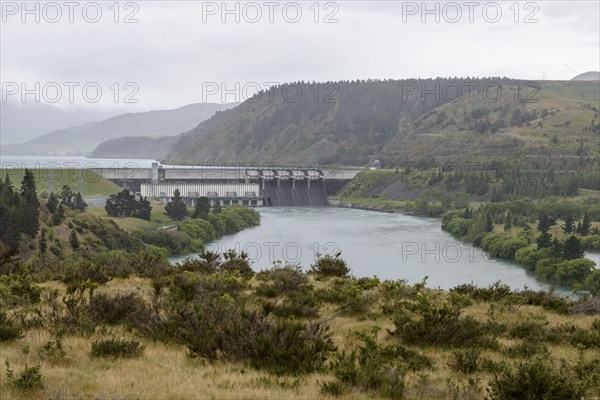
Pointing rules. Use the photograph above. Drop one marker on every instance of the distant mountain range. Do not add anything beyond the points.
(22, 122)
(588, 76)
(83, 139)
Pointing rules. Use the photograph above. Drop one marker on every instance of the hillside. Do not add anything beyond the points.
(346, 123)
(588, 76)
(555, 121)
(83, 139)
(135, 147)
(391, 121)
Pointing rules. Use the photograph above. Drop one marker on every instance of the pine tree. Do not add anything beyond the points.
(66, 196)
(8, 183)
(568, 226)
(79, 203)
(217, 207)
(143, 209)
(28, 182)
(572, 248)
(584, 227)
(74, 241)
(201, 208)
(489, 222)
(545, 223)
(544, 240)
(43, 244)
(52, 203)
(29, 214)
(59, 215)
(176, 208)
(508, 221)
(556, 248)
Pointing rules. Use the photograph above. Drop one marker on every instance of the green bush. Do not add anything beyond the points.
(116, 348)
(53, 350)
(563, 272)
(332, 388)
(237, 262)
(526, 349)
(18, 289)
(116, 309)
(439, 325)
(465, 361)
(372, 369)
(536, 379)
(530, 255)
(302, 303)
(591, 242)
(329, 265)
(281, 280)
(199, 229)
(502, 245)
(9, 329)
(210, 315)
(26, 379)
(351, 297)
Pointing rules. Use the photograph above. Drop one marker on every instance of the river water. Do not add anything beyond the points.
(389, 246)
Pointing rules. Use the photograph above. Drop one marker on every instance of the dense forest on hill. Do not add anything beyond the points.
(398, 121)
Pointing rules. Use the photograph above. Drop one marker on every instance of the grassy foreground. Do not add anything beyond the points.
(390, 339)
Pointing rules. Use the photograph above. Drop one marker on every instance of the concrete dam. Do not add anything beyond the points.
(248, 186)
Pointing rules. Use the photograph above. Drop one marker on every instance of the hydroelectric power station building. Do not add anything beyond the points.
(249, 186)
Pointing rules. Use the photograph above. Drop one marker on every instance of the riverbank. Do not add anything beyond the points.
(371, 204)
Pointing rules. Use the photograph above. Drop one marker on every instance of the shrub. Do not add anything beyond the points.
(235, 262)
(283, 279)
(26, 379)
(116, 348)
(301, 303)
(290, 347)
(9, 329)
(209, 315)
(351, 297)
(330, 266)
(536, 379)
(529, 256)
(439, 325)
(372, 368)
(465, 361)
(18, 289)
(526, 349)
(530, 330)
(53, 350)
(502, 245)
(332, 388)
(117, 309)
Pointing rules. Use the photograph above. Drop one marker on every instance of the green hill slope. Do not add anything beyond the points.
(397, 121)
(554, 121)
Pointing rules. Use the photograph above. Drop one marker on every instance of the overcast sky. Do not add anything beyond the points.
(179, 53)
